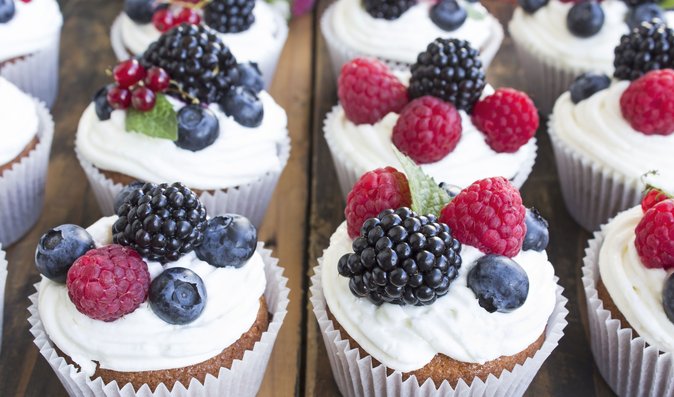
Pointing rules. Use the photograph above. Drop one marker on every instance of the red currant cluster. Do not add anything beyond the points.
(167, 17)
(135, 86)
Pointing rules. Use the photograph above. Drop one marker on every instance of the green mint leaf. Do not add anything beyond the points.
(474, 13)
(667, 4)
(427, 196)
(160, 122)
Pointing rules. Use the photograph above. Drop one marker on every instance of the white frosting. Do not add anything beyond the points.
(19, 118)
(238, 156)
(141, 341)
(406, 338)
(34, 26)
(635, 289)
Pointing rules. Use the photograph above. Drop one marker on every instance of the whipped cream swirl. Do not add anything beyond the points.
(34, 26)
(20, 122)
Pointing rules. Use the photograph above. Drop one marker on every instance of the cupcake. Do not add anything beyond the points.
(3, 281)
(30, 33)
(25, 143)
(167, 307)
(396, 31)
(457, 136)
(253, 30)
(216, 129)
(438, 304)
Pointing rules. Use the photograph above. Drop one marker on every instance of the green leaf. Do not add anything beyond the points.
(667, 4)
(427, 196)
(474, 13)
(160, 122)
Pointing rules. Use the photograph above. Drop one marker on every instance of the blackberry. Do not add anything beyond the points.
(451, 70)
(648, 47)
(636, 3)
(387, 9)
(402, 258)
(197, 60)
(161, 222)
(229, 16)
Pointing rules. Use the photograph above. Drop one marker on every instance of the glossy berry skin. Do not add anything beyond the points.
(143, 99)
(140, 11)
(448, 15)
(198, 128)
(188, 15)
(128, 73)
(59, 248)
(587, 84)
(7, 10)
(585, 19)
(157, 79)
(244, 106)
(387, 9)
(121, 197)
(531, 6)
(499, 283)
(250, 76)
(178, 295)
(644, 49)
(103, 108)
(229, 240)
(643, 13)
(229, 16)
(668, 297)
(652, 197)
(163, 19)
(654, 236)
(648, 103)
(537, 236)
(119, 98)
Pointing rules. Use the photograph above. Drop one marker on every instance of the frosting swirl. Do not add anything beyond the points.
(34, 26)
(20, 121)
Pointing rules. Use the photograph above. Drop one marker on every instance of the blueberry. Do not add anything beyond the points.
(125, 192)
(451, 190)
(537, 236)
(243, 104)
(103, 108)
(250, 76)
(668, 298)
(140, 11)
(499, 283)
(448, 15)
(177, 295)
(585, 19)
(229, 240)
(643, 13)
(7, 10)
(531, 6)
(587, 84)
(59, 248)
(198, 128)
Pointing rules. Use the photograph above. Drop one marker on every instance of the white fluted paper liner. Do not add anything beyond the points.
(630, 366)
(340, 53)
(356, 376)
(3, 282)
(250, 200)
(242, 379)
(22, 187)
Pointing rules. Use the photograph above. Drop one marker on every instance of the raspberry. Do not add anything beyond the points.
(654, 236)
(368, 91)
(375, 191)
(648, 103)
(488, 215)
(508, 118)
(108, 282)
(653, 196)
(427, 130)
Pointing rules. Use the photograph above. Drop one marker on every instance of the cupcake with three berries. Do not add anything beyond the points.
(445, 117)
(187, 109)
(158, 300)
(460, 301)
(30, 34)
(251, 29)
(606, 133)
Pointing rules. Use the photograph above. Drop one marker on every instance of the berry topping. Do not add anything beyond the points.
(244, 106)
(157, 79)
(587, 84)
(387, 9)
(368, 91)
(374, 192)
(163, 19)
(108, 282)
(537, 236)
(250, 76)
(646, 48)
(198, 128)
(531, 6)
(648, 103)
(229, 16)
(229, 240)
(103, 108)
(161, 222)
(59, 248)
(448, 15)
(7, 10)
(449, 69)
(188, 15)
(402, 258)
(128, 73)
(178, 295)
(643, 13)
(668, 297)
(508, 118)
(653, 196)
(125, 192)
(427, 130)
(654, 235)
(119, 98)
(499, 283)
(488, 215)
(636, 3)
(143, 99)
(140, 11)
(585, 19)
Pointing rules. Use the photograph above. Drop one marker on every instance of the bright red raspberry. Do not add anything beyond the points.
(374, 192)
(368, 91)
(653, 196)
(655, 236)
(508, 118)
(427, 130)
(108, 282)
(648, 103)
(488, 215)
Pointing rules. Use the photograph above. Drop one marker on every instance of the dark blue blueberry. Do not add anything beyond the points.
(531, 6)
(103, 108)
(7, 10)
(643, 13)
(140, 11)
(587, 84)
(451, 190)
(244, 106)
(125, 192)
(229, 240)
(499, 283)
(668, 297)
(250, 76)
(198, 128)
(537, 236)
(59, 248)
(585, 19)
(448, 15)
(177, 295)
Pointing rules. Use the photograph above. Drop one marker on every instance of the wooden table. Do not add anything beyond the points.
(305, 210)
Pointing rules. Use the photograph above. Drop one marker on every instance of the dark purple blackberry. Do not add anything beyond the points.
(229, 16)
(402, 258)
(387, 9)
(451, 70)
(197, 61)
(161, 222)
(648, 47)
(635, 3)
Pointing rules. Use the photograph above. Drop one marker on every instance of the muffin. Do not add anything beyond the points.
(186, 315)
(25, 143)
(217, 130)
(253, 30)
(30, 33)
(3, 281)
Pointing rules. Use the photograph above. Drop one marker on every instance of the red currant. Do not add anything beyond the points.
(163, 20)
(143, 99)
(188, 15)
(157, 79)
(26, 1)
(128, 73)
(118, 97)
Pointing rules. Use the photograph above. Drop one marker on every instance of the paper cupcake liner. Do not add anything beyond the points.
(356, 376)
(243, 379)
(250, 200)
(3, 282)
(22, 187)
(630, 366)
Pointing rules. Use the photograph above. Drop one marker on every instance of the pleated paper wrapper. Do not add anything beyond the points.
(3, 282)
